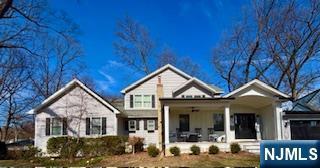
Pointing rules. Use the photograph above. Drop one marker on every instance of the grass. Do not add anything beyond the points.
(242, 159)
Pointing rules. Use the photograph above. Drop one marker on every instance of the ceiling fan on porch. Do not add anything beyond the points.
(193, 109)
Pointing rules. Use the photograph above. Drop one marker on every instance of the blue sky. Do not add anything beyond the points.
(190, 28)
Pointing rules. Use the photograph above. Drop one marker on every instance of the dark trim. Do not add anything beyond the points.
(301, 116)
(48, 126)
(301, 112)
(88, 123)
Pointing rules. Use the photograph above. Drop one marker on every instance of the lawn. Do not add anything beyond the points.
(242, 159)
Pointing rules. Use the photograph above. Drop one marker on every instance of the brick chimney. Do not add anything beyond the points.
(159, 108)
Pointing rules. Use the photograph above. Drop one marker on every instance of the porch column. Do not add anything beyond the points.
(166, 125)
(227, 123)
(277, 119)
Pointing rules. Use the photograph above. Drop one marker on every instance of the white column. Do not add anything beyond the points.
(166, 125)
(277, 119)
(227, 123)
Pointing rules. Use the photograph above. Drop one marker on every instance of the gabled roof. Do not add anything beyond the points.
(168, 66)
(308, 103)
(210, 88)
(67, 88)
(261, 85)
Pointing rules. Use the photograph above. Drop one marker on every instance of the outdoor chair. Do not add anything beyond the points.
(211, 135)
(199, 132)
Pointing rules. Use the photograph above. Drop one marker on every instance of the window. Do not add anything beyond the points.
(151, 125)
(147, 101)
(132, 125)
(137, 101)
(197, 96)
(96, 126)
(143, 101)
(218, 120)
(56, 126)
(188, 96)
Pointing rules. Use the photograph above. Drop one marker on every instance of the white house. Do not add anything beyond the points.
(168, 108)
(189, 111)
(74, 110)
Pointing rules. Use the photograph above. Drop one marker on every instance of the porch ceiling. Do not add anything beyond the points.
(202, 103)
(253, 101)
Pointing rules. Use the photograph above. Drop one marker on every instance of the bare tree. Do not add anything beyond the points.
(38, 51)
(278, 45)
(134, 45)
(167, 56)
(61, 61)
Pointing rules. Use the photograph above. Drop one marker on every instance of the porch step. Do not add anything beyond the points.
(252, 147)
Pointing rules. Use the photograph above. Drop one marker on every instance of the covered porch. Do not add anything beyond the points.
(220, 121)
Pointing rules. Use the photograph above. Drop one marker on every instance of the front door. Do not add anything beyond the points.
(184, 122)
(245, 126)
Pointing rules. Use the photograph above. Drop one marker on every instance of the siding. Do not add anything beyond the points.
(169, 79)
(202, 119)
(68, 106)
(149, 137)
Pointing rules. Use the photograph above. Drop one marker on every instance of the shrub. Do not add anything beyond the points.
(195, 150)
(213, 149)
(3, 150)
(136, 143)
(175, 151)
(87, 147)
(153, 151)
(66, 147)
(235, 148)
(113, 145)
(30, 153)
(14, 154)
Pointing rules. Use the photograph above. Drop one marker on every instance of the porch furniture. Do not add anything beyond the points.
(211, 135)
(181, 136)
(192, 137)
(173, 137)
(221, 138)
(199, 132)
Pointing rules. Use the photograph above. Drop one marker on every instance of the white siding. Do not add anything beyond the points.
(266, 115)
(68, 106)
(149, 137)
(169, 79)
(202, 119)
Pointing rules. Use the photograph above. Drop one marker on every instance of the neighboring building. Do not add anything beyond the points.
(74, 110)
(302, 122)
(171, 108)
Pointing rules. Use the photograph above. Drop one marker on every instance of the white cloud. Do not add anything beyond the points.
(113, 63)
(108, 77)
